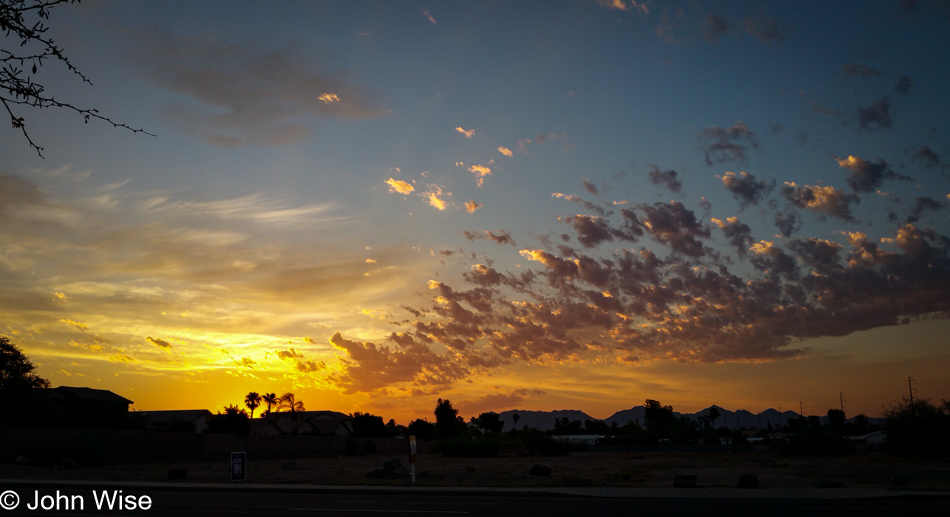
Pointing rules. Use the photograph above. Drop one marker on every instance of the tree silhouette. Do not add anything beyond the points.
(252, 401)
(288, 402)
(271, 399)
(21, 22)
(489, 421)
(19, 397)
(16, 371)
(515, 417)
(446, 419)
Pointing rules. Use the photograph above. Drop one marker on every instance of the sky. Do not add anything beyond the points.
(548, 205)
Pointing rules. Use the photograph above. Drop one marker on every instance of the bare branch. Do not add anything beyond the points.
(25, 92)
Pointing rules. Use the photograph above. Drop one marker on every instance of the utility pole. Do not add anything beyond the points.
(841, 398)
(910, 386)
(801, 409)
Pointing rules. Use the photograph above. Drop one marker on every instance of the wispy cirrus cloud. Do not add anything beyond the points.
(235, 94)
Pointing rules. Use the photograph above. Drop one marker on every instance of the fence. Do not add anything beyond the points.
(111, 446)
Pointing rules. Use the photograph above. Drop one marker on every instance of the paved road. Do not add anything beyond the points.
(218, 502)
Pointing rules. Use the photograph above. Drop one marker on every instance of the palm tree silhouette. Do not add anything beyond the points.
(288, 402)
(252, 401)
(271, 399)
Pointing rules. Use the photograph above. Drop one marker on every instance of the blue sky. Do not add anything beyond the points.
(266, 238)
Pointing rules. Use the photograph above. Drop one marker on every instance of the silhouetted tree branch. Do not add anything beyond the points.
(17, 87)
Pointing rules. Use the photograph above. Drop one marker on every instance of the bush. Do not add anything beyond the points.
(463, 446)
(543, 444)
(920, 428)
(815, 441)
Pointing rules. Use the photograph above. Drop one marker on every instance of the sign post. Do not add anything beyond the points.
(412, 457)
(238, 466)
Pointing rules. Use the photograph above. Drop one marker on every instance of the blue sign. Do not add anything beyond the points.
(238, 466)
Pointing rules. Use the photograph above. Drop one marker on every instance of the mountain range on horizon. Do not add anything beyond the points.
(739, 419)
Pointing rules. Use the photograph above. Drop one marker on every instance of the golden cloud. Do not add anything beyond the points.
(399, 186)
(505, 151)
(434, 200)
(78, 325)
(472, 206)
(469, 133)
(480, 171)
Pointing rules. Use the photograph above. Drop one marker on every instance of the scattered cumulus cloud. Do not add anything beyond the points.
(746, 188)
(468, 133)
(505, 151)
(867, 176)
(764, 29)
(159, 342)
(471, 206)
(668, 178)
(727, 145)
(877, 115)
(860, 71)
(823, 199)
(399, 186)
(432, 197)
(715, 26)
(480, 171)
(903, 84)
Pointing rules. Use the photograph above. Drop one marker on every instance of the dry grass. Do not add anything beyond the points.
(578, 469)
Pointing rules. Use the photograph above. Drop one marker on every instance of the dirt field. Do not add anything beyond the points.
(579, 469)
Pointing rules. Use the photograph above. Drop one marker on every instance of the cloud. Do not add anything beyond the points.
(505, 151)
(574, 198)
(329, 97)
(929, 157)
(497, 401)
(745, 188)
(469, 133)
(289, 355)
(159, 342)
(722, 145)
(471, 206)
(590, 187)
(428, 16)
(310, 366)
(924, 204)
(368, 367)
(503, 237)
(867, 176)
(826, 200)
(903, 84)
(480, 171)
(715, 26)
(877, 115)
(235, 94)
(399, 186)
(766, 30)
(674, 224)
(861, 71)
(788, 223)
(432, 197)
(668, 178)
(81, 326)
(622, 5)
(739, 234)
